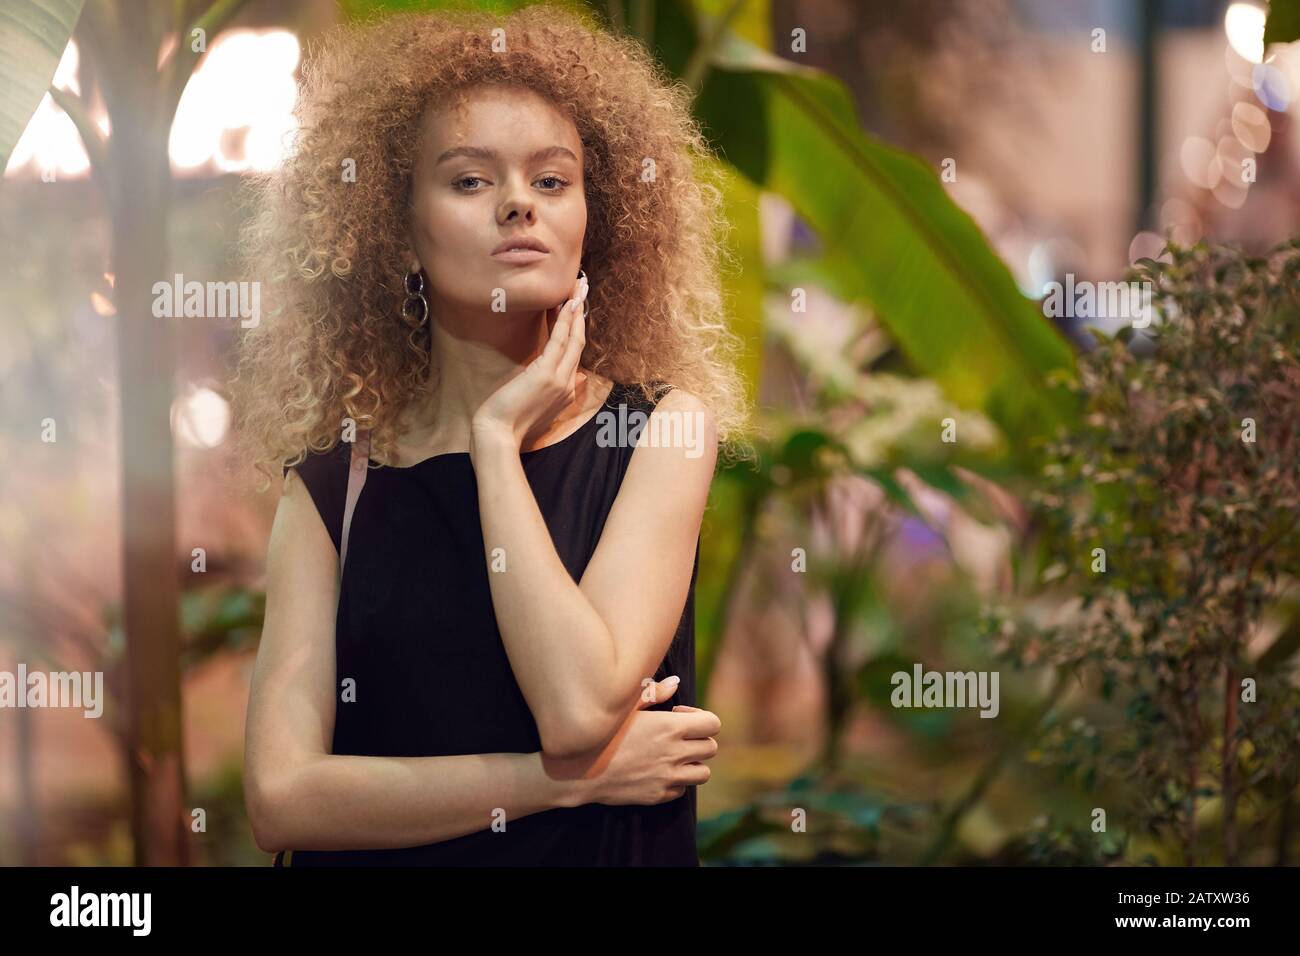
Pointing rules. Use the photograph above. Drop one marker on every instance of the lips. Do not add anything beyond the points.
(521, 243)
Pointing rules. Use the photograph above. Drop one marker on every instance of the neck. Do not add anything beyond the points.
(473, 354)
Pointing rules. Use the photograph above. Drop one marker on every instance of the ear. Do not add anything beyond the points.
(411, 259)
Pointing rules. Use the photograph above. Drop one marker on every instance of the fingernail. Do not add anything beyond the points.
(673, 680)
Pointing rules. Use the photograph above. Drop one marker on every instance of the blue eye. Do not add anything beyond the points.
(560, 183)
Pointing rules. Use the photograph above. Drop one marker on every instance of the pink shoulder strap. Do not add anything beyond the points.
(357, 470)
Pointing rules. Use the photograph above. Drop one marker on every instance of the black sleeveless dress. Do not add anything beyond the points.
(417, 631)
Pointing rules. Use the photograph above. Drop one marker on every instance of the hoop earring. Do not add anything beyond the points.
(415, 299)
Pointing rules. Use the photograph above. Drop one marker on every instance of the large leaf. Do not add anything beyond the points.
(745, 285)
(743, 282)
(33, 35)
(891, 235)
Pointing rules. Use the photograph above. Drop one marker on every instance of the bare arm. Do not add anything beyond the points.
(580, 650)
(298, 794)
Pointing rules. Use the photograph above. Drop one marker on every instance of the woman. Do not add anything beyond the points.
(494, 678)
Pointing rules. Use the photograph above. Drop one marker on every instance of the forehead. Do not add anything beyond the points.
(509, 119)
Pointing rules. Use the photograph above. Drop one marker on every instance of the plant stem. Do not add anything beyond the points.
(1229, 766)
(722, 612)
(1193, 748)
(698, 65)
(1284, 829)
(986, 776)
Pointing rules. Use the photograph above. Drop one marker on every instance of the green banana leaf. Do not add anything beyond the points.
(892, 236)
(743, 286)
(33, 35)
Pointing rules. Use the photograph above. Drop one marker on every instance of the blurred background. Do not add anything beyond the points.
(905, 181)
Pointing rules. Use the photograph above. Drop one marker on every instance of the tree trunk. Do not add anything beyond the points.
(139, 180)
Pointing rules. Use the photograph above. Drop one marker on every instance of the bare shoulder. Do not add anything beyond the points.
(689, 407)
(680, 400)
(681, 436)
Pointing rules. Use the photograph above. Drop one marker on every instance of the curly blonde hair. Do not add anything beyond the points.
(331, 255)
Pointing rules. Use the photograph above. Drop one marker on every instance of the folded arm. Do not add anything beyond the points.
(298, 794)
(580, 651)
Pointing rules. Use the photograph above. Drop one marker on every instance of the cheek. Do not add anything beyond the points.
(450, 234)
(571, 228)
(578, 220)
(448, 225)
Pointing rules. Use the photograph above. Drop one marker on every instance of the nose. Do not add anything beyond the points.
(516, 206)
(522, 211)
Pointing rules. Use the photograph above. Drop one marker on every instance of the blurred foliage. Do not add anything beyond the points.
(1049, 843)
(860, 466)
(1169, 515)
(811, 822)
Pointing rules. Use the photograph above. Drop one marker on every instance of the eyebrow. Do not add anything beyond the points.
(479, 152)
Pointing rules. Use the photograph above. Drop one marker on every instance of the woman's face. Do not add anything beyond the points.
(508, 167)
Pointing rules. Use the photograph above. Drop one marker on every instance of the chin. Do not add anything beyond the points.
(533, 290)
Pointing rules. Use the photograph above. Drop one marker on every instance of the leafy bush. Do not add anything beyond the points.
(1170, 515)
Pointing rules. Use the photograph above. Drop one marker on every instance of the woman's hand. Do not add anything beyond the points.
(529, 402)
(655, 755)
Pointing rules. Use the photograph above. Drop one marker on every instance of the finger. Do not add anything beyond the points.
(657, 692)
(557, 356)
(552, 352)
(694, 774)
(705, 749)
(574, 289)
(577, 341)
(554, 312)
(701, 724)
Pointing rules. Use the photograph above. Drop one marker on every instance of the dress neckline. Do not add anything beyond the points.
(609, 398)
